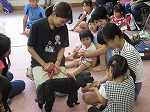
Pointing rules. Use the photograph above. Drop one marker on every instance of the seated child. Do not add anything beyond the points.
(118, 17)
(88, 9)
(32, 12)
(93, 28)
(86, 38)
(117, 94)
(119, 20)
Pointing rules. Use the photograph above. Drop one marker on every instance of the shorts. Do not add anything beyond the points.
(87, 63)
(41, 76)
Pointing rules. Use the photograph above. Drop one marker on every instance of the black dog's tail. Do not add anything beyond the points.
(40, 95)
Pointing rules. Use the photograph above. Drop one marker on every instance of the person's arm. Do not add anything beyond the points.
(38, 58)
(60, 56)
(135, 2)
(97, 52)
(79, 21)
(25, 18)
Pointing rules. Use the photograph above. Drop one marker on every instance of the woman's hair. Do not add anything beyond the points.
(62, 9)
(108, 32)
(99, 13)
(87, 2)
(4, 44)
(86, 33)
(120, 66)
(119, 8)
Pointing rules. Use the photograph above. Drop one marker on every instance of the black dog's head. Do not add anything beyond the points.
(83, 78)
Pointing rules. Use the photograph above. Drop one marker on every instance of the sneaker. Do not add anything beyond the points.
(9, 101)
(29, 73)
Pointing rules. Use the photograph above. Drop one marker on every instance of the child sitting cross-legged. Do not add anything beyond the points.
(86, 38)
(117, 94)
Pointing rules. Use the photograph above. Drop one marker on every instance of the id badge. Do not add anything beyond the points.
(49, 49)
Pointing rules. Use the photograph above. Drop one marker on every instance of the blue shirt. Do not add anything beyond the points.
(33, 14)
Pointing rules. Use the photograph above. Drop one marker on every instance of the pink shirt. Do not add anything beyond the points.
(1, 65)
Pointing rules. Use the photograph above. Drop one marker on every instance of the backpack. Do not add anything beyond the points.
(6, 6)
(130, 22)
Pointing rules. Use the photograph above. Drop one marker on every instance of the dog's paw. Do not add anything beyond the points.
(40, 105)
(70, 105)
(77, 103)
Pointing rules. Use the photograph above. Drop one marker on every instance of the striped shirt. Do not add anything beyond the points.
(134, 60)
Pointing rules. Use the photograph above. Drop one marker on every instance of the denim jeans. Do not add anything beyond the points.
(135, 10)
(17, 85)
(137, 88)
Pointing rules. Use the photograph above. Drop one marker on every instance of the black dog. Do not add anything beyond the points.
(70, 86)
(5, 89)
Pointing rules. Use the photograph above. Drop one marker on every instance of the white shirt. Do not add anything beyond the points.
(88, 16)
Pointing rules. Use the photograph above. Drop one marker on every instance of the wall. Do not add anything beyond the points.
(41, 2)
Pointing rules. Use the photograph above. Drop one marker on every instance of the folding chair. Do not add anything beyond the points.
(145, 11)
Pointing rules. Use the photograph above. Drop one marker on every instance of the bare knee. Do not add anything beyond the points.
(86, 98)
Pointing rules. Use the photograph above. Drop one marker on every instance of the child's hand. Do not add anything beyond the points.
(83, 53)
(47, 66)
(95, 84)
(57, 70)
(92, 89)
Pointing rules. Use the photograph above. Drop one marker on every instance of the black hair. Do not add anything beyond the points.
(99, 13)
(91, 21)
(87, 2)
(4, 44)
(120, 66)
(86, 33)
(62, 9)
(119, 8)
(108, 32)
(4, 47)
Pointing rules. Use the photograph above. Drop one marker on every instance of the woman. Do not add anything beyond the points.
(47, 42)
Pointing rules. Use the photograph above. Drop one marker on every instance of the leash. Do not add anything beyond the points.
(51, 71)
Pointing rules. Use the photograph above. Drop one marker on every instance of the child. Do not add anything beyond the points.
(88, 9)
(32, 12)
(100, 17)
(93, 28)
(117, 94)
(118, 17)
(112, 37)
(84, 63)
(5, 49)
